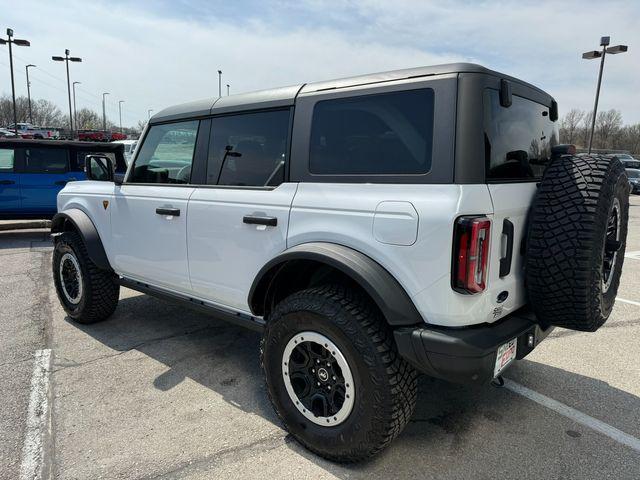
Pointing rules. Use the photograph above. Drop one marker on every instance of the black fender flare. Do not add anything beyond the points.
(88, 232)
(390, 297)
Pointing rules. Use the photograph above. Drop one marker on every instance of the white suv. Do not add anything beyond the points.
(372, 227)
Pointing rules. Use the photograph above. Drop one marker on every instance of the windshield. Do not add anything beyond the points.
(518, 139)
(633, 173)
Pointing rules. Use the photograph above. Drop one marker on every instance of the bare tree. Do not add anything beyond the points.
(608, 124)
(88, 119)
(570, 125)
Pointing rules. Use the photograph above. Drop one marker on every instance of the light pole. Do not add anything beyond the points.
(120, 102)
(604, 43)
(219, 83)
(68, 59)
(149, 114)
(29, 92)
(227, 89)
(75, 107)
(23, 43)
(104, 115)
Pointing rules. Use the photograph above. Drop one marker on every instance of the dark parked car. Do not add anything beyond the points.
(634, 179)
(32, 172)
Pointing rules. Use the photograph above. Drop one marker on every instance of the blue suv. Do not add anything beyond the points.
(32, 172)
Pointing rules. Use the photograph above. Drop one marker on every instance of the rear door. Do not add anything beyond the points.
(239, 220)
(9, 182)
(149, 211)
(517, 149)
(45, 171)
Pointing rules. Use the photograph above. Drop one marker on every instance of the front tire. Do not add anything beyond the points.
(334, 375)
(87, 293)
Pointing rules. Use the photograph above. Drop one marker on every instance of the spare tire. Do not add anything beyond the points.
(576, 241)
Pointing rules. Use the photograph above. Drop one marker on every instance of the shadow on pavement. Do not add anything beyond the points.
(487, 427)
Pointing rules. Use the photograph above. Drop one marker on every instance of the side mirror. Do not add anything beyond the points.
(99, 168)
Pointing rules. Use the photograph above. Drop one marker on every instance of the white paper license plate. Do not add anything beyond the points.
(506, 355)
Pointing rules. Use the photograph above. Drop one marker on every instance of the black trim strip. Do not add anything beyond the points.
(237, 318)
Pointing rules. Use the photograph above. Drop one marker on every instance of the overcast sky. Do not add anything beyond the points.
(153, 54)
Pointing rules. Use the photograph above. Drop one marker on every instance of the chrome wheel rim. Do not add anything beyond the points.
(70, 278)
(318, 379)
(611, 246)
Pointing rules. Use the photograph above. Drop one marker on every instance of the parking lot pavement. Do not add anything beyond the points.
(162, 392)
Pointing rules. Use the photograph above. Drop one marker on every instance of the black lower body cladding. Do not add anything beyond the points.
(576, 241)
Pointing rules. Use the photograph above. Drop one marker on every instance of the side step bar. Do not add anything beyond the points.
(242, 319)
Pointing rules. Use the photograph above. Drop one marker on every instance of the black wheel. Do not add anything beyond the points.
(87, 293)
(576, 241)
(333, 373)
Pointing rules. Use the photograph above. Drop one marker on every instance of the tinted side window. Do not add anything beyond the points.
(389, 133)
(46, 160)
(249, 149)
(518, 139)
(166, 154)
(7, 160)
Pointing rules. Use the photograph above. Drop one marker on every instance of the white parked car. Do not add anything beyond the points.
(403, 222)
(129, 148)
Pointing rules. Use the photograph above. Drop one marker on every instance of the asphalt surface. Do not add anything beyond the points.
(161, 392)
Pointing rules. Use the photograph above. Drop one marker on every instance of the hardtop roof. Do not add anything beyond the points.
(97, 146)
(285, 96)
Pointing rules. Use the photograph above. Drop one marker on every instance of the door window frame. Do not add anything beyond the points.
(198, 163)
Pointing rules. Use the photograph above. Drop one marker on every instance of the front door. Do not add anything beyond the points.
(9, 183)
(239, 222)
(149, 212)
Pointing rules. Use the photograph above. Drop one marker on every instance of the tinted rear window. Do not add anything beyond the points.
(389, 133)
(517, 139)
(45, 160)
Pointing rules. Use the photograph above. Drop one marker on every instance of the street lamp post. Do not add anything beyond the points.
(104, 114)
(219, 83)
(75, 107)
(227, 89)
(29, 92)
(66, 59)
(120, 102)
(23, 43)
(604, 43)
(149, 113)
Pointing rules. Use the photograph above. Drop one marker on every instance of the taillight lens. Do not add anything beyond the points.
(471, 252)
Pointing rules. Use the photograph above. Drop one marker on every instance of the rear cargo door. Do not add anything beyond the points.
(518, 141)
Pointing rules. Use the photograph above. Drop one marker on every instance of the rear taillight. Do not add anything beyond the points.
(471, 252)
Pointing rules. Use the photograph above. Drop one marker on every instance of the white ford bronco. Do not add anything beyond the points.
(373, 228)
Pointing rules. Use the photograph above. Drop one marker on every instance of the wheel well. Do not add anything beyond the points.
(65, 225)
(296, 275)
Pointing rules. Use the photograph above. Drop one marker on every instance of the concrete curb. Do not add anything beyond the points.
(24, 224)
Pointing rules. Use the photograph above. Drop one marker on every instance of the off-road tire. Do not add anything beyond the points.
(385, 384)
(100, 292)
(565, 246)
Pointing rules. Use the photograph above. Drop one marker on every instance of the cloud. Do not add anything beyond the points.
(154, 54)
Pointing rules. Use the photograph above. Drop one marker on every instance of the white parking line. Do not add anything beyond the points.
(37, 418)
(575, 415)
(624, 300)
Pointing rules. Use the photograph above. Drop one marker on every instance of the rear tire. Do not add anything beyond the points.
(576, 241)
(348, 332)
(87, 293)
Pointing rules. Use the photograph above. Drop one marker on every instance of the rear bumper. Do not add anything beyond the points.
(467, 355)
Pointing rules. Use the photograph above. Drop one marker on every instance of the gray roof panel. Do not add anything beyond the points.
(196, 108)
(273, 98)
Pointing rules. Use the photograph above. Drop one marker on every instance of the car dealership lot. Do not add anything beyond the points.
(161, 392)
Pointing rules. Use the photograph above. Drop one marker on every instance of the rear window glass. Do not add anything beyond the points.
(630, 163)
(381, 134)
(45, 160)
(517, 139)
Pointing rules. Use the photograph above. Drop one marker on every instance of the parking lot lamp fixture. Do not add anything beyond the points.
(219, 83)
(593, 54)
(75, 107)
(120, 102)
(227, 89)
(66, 59)
(22, 43)
(104, 114)
(29, 92)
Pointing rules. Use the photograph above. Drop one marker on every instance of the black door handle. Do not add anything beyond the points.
(61, 182)
(7, 182)
(174, 212)
(505, 262)
(255, 220)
